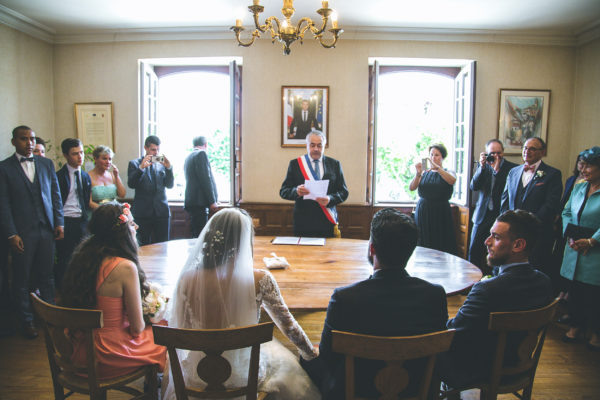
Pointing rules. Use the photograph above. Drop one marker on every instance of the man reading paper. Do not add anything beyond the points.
(318, 217)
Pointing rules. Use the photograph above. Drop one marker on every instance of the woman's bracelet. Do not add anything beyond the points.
(590, 243)
(418, 175)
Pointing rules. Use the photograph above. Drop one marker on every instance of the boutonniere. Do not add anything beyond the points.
(540, 174)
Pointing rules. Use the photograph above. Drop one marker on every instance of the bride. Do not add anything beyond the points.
(219, 288)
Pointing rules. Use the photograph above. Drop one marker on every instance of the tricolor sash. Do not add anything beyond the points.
(310, 174)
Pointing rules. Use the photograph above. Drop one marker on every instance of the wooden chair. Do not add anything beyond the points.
(214, 369)
(512, 379)
(393, 379)
(65, 374)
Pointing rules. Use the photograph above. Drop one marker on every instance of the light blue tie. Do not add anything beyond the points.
(317, 170)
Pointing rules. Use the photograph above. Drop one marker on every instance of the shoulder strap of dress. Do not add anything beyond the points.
(106, 268)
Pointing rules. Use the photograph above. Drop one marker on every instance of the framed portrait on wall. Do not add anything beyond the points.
(523, 114)
(303, 109)
(94, 123)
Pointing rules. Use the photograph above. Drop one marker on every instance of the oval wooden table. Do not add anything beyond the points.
(315, 271)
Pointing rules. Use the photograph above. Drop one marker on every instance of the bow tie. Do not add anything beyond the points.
(528, 168)
(23, 159)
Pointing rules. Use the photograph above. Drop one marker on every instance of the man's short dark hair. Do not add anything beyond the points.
(522, 225)
(15, 131)
(540, 141)
(39, 140)
(199, 141)
(495, 141)
(394, 237)
(152, 140)
(69, 143)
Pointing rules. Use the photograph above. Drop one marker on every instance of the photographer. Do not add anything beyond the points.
(489, 180)
(150, 176)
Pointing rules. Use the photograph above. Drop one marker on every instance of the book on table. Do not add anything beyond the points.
(299, 241)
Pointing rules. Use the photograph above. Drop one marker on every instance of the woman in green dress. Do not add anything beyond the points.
(106, 182)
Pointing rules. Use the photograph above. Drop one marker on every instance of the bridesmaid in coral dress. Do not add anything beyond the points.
(104, 274)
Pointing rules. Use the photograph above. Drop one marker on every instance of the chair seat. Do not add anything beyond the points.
(80, 384)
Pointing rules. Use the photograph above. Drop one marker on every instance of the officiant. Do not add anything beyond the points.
(318, 217)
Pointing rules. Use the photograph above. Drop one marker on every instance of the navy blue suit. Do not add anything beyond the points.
(483, 217)
(309, 218)
(540, 197)
(517, 288)
(390, 303)
(74, 227)
(200, 189)
(150, 206)
(32, 211)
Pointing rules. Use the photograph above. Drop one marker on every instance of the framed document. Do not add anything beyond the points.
(94, 122)
(303, 109)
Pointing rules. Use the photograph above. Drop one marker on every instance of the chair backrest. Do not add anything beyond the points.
(392, 379)
(213, 368)
(533, 324)
(60, 322)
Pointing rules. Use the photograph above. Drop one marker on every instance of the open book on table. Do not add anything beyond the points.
(302, 241)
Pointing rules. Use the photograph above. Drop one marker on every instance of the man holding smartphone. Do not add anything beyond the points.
(489, 181)
(150, 175)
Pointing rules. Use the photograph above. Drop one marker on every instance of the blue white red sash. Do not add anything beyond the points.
(310, 175)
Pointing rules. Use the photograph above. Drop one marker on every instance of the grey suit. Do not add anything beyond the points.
(32, 211)
(200, 189)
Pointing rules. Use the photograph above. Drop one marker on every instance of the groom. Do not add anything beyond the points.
(389, 303)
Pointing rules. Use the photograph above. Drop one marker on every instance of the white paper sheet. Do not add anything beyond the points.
(316, 189)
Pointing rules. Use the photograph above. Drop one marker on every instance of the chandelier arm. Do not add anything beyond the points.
(336, 36)
(317, 31)
(249, 43)
(268, 25)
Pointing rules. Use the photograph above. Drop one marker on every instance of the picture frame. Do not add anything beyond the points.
(523, 114)
(296, 124)
(94, 123)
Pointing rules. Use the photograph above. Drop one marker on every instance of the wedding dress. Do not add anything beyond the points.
(216, 289)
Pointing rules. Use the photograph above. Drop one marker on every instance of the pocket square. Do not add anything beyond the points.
(539, 184)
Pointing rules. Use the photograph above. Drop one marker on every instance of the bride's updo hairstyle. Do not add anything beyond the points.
(222, 238)
(109, 236)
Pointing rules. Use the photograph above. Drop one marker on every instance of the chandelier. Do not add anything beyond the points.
(284, 31)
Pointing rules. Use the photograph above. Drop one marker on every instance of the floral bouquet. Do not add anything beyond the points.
(154, 304)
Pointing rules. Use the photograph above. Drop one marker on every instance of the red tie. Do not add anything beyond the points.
(528, 168)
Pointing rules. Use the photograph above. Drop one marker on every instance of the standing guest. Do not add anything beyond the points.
(200, 188)
(489, 180)
(581, 262)
(31, 218)
(432, 214)
(104, 274)
(106, 182)
(316, 218)
(75, 190)
(535, 187)
(389, 303)
(150, 176)
(515, 286)
(40, 147)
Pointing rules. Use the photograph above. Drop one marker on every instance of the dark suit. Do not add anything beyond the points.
(301, 128)
(516, 288)
(200, 189)
(540, 197)
(309, 218)
(483, 217)
(74, 227)
(150, 207)
(390, 303)
(32, 211)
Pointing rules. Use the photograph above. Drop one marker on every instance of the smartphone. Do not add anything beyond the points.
(156, 159)
(424, 162)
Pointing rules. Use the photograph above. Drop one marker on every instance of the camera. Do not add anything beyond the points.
(490, 158)
(156, 159)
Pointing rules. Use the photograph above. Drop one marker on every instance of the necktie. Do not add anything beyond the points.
(79, 191)
(317, 170)
(528, 168)
(27, 159)
(304, 116)
(153, 174)
(29, 168)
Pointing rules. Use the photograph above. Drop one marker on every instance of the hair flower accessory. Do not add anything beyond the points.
(124, 218)
(540, 174)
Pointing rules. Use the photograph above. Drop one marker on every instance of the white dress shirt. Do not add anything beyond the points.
(71, 208)
(28, 167)
(528, 175)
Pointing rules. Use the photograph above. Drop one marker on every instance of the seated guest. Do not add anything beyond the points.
(75, 186)
(106, 182)
(104, 274)
(514, 286)
(389, 303)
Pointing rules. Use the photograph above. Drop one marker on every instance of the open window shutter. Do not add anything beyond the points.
(149, 100)
(372, 129)
(235, 77)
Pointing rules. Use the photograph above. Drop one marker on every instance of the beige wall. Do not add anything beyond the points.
(586, 110)
(26, 86)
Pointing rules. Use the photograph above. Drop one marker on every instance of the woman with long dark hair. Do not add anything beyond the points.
(104, 274)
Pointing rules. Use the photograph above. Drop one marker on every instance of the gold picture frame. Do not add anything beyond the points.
(294, 125)
(94, 123)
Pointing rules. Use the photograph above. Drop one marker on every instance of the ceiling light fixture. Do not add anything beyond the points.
(284, 31)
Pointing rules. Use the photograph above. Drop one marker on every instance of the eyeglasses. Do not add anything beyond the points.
(531, 149)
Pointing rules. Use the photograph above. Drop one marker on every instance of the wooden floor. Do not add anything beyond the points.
(566, 371)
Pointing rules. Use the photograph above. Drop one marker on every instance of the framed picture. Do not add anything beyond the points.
(94, 122)
(303, 109)
(523, 115)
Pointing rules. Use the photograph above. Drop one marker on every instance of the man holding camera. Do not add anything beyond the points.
(489, 180)
(150, 176)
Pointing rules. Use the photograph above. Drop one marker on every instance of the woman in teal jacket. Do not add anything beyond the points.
(581, 261)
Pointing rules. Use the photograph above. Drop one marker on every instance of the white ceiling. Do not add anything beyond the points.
(68, 20)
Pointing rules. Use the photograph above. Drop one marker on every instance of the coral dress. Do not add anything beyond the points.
(118, 352)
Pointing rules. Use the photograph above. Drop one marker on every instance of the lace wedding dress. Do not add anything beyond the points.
(216, 289)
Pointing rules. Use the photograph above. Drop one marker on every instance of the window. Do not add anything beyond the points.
(414, 103)
(183, 98)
